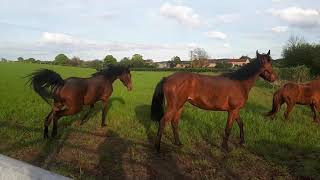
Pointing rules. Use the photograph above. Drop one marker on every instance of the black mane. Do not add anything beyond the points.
(112, 70)
(247, 70)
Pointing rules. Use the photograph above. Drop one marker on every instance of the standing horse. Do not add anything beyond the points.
(71, 94)
(227, 92)
(293, 93)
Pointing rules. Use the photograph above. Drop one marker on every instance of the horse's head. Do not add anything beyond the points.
(125, 78)
(266, 70)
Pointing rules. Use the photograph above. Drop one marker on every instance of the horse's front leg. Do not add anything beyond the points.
(232, 115)
(315, 108)
(47, 122)
(240, 124)
(104, 109)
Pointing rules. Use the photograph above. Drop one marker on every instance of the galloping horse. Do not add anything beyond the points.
(227, 92)
(293, 93)
(71, 94)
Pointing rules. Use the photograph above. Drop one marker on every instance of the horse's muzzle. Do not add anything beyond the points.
(130, 87)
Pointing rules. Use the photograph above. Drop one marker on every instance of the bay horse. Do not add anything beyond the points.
(294, 93)
(71, 94)
(227, 92)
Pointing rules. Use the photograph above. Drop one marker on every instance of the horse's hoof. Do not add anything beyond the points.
(45, 136)
(103, 125)
(157, 146)
(179, 144)
(242, 145)
(225, 147)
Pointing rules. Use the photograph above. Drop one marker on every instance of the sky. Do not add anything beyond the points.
(159, 30)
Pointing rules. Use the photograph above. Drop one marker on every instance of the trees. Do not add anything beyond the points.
(174, 61)
(61, 59)
(20, 59)
(137, 61)
(75, 61)
(223, 65)
(198, 53)
(109, 59)
(30, 60)
(125, 61)
(298, 52)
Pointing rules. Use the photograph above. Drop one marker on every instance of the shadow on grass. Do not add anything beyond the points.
(161, 165)
(45, 150)
(302, 162)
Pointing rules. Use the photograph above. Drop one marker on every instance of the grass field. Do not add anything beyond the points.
(276, 149)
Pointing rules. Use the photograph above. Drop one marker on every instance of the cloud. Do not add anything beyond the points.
(183, 14)
(227, 18)
(295, 16)
(279, 29)
(51, 43)
(58, 38)
(226, 45)
(215, 35)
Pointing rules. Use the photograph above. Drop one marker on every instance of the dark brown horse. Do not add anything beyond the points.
(227, 92)
(293, 93)
(71, 94)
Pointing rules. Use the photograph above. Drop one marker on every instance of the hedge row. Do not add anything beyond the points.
(184, 69)
(296, 74)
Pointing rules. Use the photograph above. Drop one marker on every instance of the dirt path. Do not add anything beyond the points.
(103, 154)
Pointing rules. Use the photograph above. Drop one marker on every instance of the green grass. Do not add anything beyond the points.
(124, 149)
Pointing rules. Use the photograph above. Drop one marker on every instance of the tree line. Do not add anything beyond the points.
(136, 61)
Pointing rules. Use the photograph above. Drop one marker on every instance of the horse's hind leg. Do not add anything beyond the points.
(87, 114)
(290, 106)
(175, 128)
(70, 110)
(240, 124)
(104, 109)
(168, 116)
(232, 115)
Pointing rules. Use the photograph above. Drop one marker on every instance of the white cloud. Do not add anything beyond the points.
(298, 16)
(58, 38)
(279, 29)
(183, 14)
(228, 18)
(215, 35)
(50, 44)
(226, 45)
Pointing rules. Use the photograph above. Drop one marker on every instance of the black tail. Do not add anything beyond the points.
(277, 101)
(44, 82)
(157, 107)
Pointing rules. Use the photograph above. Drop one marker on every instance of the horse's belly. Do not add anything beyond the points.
(216, 105)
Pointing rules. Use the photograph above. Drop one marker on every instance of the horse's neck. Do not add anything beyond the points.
(249, 83)
(108, 79)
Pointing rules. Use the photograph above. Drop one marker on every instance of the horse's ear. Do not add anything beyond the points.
(257, 53)
(268, 53)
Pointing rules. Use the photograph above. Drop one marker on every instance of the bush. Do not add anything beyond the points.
(296, 74)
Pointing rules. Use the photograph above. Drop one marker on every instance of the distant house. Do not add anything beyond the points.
(211, 63)
(234, 62)
(163, 64)
(238, 62)
(148, 61)
(183, 64)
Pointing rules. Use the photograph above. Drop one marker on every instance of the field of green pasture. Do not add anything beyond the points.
(124, 149)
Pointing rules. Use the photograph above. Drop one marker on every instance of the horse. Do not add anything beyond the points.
(71, 94)
(226, 92)
(294, 93)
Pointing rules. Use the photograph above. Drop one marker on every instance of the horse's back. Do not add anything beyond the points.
(204, 91)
